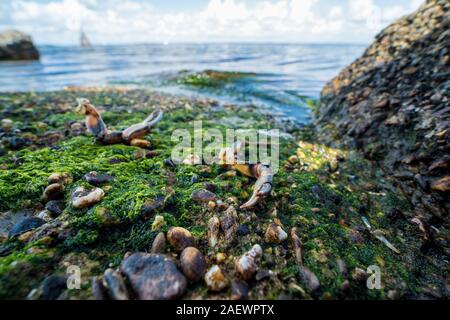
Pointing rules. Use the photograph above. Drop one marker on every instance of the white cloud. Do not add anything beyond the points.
(115, 21)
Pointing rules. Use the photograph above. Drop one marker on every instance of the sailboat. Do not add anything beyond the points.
(84, 40)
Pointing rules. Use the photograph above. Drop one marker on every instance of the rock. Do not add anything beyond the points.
(229, 225)
(247, 265)
(55, 207)
(26, 225)
(140, 143)
(63, 178)
(359, 275)
(342, 267)
(53, 192)
(158, 223)
(180, 238)
(154, 277)
(15, 45)
(263, 274)
(441, 185)
(97, 179)
(239, 290)
(309, 279)
(193, 264)
(7, 125)
(296, 246)
(215, 279)
(203, 196)
(243, 230)
(159, 244)
(213, 231)
(52, 287)
(275, 234)
(83, 198)
(115, 285)
(45, 215)
(98, 290)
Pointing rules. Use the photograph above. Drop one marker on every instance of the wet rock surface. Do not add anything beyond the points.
(153, 277)
(392, 103)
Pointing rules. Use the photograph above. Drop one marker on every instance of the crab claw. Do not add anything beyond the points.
(258, 194)
(139, 130)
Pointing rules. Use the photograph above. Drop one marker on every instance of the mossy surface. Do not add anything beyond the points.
(323, 192)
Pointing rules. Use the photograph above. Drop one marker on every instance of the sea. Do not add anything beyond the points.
(283, 77)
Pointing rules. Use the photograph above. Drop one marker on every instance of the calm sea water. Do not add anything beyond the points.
(285, 74)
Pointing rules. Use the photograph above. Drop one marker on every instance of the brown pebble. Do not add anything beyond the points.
(180, 238)
(193, 264)
(159, 243)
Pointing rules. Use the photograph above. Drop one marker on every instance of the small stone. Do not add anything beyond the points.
(247, 264)
(345, 286)
(180, 238)
(115, 285)
(159, 244)
(243, 230)
(97, 179)
(63, 178)
(213, 231)
(229, 225)
(296, 246)
(239, 290)
(293, 159)
(98, 290)
(140, 143)
(192, 159)
(342, 267)
(52, 287)
(262, 274)
(158, 223)
(309, 279)
(220, 257)
(55, 207)
(25, 237)
(203, 196)
(393, 295)
(83, 198)
(193, 264)
(275, 234)
(359, 275)
(215, 279)
(25, 225)
(53, 192)
(7, 125)
(211, 205)
(441, 185)
(154, 276)
(45, 215)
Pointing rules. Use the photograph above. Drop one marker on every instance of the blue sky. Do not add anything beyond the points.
(140, 21)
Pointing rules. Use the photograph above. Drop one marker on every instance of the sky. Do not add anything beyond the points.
(58, 22)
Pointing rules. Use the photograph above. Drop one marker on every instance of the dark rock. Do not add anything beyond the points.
(203, 196)
(309, 279)
(115, 285)
(6, 249)
(15, 45)
(26, 225)
(154, 277)
(97, 179)
(262, 274)
(193, 264)
(194, 179)
(53, 192)
(243, 230)
(52, 287)
(55, 207)
(210, 186)
(239, 290)
(98, 290)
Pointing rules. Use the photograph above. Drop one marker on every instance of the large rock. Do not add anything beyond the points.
(393, 103)
(15, 45)
(154, 276)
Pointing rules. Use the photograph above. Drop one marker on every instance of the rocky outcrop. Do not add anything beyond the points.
(15, 45)
(393, 103)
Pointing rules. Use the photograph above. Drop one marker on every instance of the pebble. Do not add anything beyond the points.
(45, 215)
(229, 224)
(275, 234)
(309, 279)
(159, 243)
(359, 275)
(158, 223)
(153, 276)
(213, 231)
(52, 287)
(98, 290)
(203, 196)
(55, 207)
(53, 191)
(193, 264)
(296, 246)
(243, 230)
(239, 290)
(247, 264)
(180, 238)
(215, 279)
(140, 143)
(63, 178)
(82, 197)
(7, 124)
(97, 179)
(441, 185)
(25, 225)
(115, 284)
